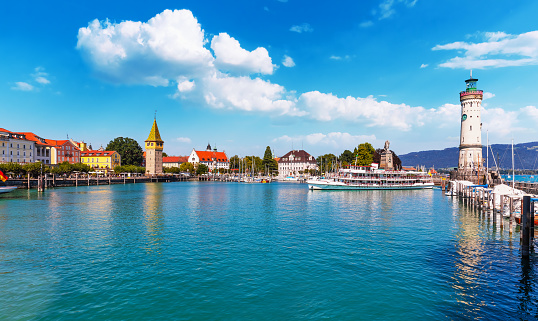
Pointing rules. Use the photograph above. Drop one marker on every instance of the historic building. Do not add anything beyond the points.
(294, 162)
(15, 147)
(174, 161)
(99, 160)
(63, 151)
(211, 158)
(154, 151)
(470, 157)
(42, 149)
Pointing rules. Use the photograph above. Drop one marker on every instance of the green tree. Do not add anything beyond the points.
(79, 167)
(171, 170)
(14, 169)
(201, 169)
(187, 167)
(165, 154)
(129, 150)
(258, 164)
(234, 162)
(365, 154)
(66, 168)
(327, 162)
(347, 156)
(269, 163)
(34, 169)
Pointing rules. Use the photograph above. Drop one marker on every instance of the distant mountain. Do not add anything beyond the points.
(525, 156)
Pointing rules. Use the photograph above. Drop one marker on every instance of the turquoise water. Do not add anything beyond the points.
(521, 178)
(230, 251)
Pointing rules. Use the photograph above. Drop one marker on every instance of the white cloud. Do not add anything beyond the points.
(488, 95)
(23, 86)
(327, 107)
(42, 80)
(168, 45)
(230, 56)
(531, 111)
(386, 7)
(244, 93)
(288, 61)
(499, 50)
(423, 66)
(366, 24)
(334, 57)
(186, 140)
(305, 27)
(185, 85)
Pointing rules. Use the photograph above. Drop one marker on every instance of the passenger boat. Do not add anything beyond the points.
(372, 178)
(7, 189)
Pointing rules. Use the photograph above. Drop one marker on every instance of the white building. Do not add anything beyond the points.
(470, 157)
(174, 161)
(14, 147)
(295, 161)
(211, 158)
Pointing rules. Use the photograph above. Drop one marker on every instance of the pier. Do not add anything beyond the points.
(501, 202)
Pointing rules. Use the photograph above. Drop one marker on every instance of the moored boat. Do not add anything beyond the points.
(7, 189)
(372, 178)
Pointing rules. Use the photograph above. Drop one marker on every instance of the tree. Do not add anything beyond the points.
(171, 170)
(201, 169)
(129, 150)
(14, 169)
(347, 156)
(34, 169)
(234, 162)
(165, 154)
(258, 164)
(269, 163)
(327, 162)
(187, 167)
(365, 154)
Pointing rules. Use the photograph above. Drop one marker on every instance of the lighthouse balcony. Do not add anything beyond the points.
(471, 92)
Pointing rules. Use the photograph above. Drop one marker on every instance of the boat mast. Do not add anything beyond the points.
(513, 171)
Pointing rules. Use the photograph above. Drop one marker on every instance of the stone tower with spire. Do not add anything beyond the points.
(154, 151)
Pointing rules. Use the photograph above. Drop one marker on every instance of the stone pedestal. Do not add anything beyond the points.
(386, 160)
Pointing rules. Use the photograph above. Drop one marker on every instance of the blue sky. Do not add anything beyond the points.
(246, 74)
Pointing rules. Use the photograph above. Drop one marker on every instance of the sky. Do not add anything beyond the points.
(243, 75)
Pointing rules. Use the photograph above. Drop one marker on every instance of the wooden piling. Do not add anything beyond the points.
(525, 225)
(511, 213)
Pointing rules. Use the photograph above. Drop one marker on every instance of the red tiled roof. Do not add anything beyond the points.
(409, 168)
(96, 153)
(175, 159)
(33, 137)
(207, 156)
(10, 132)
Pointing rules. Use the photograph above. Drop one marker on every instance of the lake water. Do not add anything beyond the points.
(521, 178)
(231, 251)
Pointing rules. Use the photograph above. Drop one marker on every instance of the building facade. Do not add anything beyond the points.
(100, 161)
(42, 149)
(213, 159)
(470, 154)
(154, 151)
(63, 151)
(296, 162)
(15, 147)
(174, 161)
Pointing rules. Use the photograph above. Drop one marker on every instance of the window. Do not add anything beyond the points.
(471, 127)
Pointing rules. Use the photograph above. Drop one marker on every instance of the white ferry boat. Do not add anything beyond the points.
(372, 178)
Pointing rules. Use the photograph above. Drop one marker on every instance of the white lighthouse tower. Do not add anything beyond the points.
(470, 158)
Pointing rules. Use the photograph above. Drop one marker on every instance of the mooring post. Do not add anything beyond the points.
(511, 214)
(88, 179)
(525, 225)
(493, 202)
(76, 179)
(97, 179)
(532, 220)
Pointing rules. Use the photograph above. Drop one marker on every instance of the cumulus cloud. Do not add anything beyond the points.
(230, 56)
(305, 27)
(327, 107)
(366, 24)
(153, 52)
(499, 50)
(40, 75)
(23, 86)
(487, 95)
(288, 61)
(423, 66)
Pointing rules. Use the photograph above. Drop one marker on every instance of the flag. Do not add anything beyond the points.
(3, 177)
(429, 173)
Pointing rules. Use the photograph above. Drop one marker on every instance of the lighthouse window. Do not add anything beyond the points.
(477, 140)
(471, 127)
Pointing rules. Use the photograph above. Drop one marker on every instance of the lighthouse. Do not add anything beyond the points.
(470, 157)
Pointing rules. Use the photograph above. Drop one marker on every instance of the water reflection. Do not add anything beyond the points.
(154, 216)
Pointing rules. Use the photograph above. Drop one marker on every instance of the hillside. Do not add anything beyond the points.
(525, 156)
